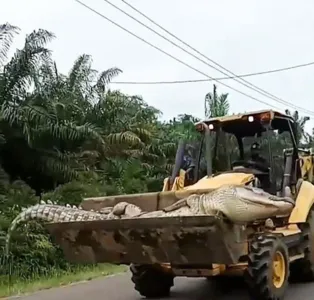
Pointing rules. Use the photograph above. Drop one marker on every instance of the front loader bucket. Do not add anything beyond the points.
(176, 240)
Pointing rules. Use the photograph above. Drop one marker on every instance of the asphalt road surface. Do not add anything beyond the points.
(119, 287)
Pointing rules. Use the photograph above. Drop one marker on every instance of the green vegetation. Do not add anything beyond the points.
(17, 286)
(67, 136)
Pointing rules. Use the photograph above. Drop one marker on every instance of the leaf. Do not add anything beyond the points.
(7, 32)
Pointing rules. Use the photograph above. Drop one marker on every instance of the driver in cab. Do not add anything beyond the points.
(256, 154)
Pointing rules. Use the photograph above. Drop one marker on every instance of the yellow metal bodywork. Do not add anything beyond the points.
(222, 179)
(303, 204)
(305, 196)
(290, 229)
(307, 167)
(178, 183)
(229, 270)
(212, 182)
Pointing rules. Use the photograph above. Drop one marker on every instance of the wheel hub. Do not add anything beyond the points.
(279, 269)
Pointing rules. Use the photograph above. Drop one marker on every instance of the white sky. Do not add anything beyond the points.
(244, 36)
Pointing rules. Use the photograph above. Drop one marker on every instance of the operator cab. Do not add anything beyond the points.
(257, 163)
(252, 143)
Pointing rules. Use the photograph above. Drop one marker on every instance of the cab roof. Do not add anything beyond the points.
(251, 123)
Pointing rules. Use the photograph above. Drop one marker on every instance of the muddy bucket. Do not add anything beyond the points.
(181, 240)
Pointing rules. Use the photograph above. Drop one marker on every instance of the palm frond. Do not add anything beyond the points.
(70, 131)
(57, 168)
(142, 133)
(19, 71)
(133, 153)
(105, 77)
(126, 137)
(7, 32)
(36, 114)
(81, 74)
(38, 38)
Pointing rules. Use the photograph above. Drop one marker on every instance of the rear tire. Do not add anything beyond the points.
(302, 270)
(151, 282)
(268, 268)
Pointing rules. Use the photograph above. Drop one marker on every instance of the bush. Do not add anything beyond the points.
(33, 252)
(73, 193)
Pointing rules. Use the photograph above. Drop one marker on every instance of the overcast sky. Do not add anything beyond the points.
(244, 36)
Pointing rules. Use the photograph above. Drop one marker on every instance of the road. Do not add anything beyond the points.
(119, 287)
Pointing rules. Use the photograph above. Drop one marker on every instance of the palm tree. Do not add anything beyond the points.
(300, 123)
(216, 105)
(42, 112)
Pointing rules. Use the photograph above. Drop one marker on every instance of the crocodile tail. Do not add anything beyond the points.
(35, 212)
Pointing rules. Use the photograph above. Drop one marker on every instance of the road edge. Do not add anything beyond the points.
(65, 286)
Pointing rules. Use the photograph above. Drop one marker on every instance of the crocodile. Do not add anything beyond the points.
(240, 204)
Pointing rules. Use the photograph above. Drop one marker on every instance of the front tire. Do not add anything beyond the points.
(151, 282)
(268, 268)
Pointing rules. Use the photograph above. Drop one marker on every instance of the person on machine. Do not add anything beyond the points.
(256, 155)
(188, 166)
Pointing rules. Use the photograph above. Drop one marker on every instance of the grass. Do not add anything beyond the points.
(20, 287)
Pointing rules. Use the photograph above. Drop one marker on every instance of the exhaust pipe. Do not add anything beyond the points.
(208, 149)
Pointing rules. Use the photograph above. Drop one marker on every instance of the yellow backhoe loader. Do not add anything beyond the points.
(269, 252)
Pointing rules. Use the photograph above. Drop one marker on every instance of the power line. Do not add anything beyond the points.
(173, 57)
(247, 83)
(165, 38)
(217, 78)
